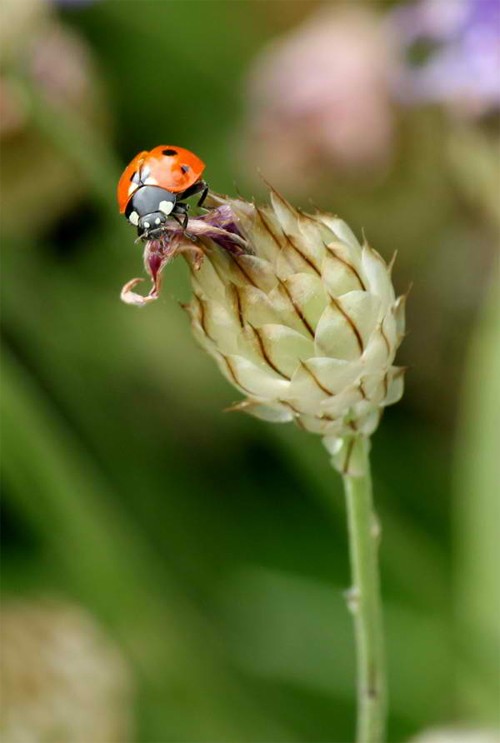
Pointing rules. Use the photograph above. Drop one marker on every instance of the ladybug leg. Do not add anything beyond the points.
(196, 188)
(182, 218)
(183, 221)
(204, 194)
(180, 214)
(192, 190)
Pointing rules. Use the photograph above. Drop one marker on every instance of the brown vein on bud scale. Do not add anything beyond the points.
(348, 265)
(265, 354)
(386, 340)
(265, 225)
(351, 323)
(296, 308)
(315, 379)
(295, 247)
(244, 273)
(385, 382)
(237, 297)
(232, 373)
(203, 321)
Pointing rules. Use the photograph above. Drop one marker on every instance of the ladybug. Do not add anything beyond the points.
(155, 184)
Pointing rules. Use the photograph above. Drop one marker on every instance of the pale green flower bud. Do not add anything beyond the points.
(299, 316)
(306, 325)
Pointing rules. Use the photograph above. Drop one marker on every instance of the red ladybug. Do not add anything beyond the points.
(154, 186)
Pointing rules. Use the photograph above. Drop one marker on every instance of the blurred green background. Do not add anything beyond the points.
(211, 547)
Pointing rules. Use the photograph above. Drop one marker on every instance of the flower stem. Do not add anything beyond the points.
(365, 600)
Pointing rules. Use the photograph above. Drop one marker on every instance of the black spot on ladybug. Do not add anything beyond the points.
(184, 168)
(169, 152)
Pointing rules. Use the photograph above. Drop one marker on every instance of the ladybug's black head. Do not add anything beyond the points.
(149, 208)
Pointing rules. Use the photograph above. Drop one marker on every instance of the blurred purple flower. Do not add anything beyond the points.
(318, 98)
(61, 65)
(459, 42)
(51, 56)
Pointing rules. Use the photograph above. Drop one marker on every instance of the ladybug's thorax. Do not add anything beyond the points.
(149, 208)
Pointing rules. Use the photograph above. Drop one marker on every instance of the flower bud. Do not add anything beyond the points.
(303, 321)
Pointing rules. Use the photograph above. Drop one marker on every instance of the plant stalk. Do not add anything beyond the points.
(364, 601)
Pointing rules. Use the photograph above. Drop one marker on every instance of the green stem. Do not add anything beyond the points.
(365, 601)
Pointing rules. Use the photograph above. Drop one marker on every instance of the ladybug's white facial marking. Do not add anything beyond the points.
(134, 218)
(166, 207)
(157, 220)
(147, 225)
(150, 181)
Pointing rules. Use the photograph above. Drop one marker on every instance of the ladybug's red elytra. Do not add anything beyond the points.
(155, 185)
